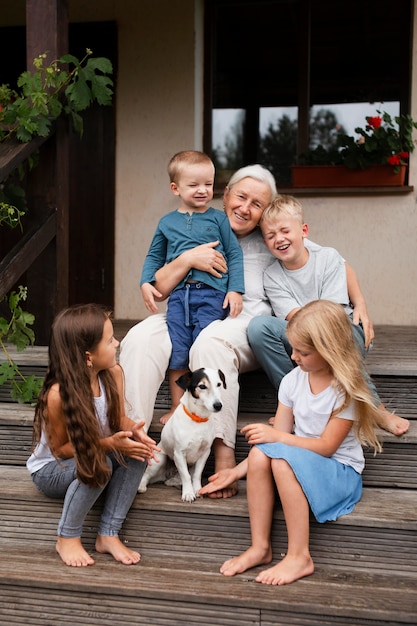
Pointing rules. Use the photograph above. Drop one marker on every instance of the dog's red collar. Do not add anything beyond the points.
(194, 417)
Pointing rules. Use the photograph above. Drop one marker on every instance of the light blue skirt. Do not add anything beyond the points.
(331, 488)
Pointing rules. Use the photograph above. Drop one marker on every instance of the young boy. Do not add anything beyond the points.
(298, 276)
(200, 298)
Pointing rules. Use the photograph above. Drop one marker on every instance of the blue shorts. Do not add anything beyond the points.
(190, 309)
(331, 488)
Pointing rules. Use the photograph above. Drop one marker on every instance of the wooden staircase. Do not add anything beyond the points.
(365, 562)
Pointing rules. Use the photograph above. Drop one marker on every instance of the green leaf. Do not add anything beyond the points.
(28, 390)
(79, 94)
(100, 63)
(7, 372)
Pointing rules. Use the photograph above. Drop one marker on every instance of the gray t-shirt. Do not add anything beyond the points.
(323, 277)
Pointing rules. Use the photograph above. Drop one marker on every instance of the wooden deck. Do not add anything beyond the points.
(365, 562)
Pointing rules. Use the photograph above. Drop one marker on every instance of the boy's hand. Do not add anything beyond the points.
(234, 301)
(360, 314)
(149, 293)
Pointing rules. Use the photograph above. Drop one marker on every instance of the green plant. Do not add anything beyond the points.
(383, 141)
(10, 215)
(64, 87)
(16, 330)
(49, 91)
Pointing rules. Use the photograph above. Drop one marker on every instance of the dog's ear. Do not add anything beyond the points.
(184, 381)
(222, 378)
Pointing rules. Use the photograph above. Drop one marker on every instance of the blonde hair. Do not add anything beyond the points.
(283, 204)
(184, 159)
(325, 327)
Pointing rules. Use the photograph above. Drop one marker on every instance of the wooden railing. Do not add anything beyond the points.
(24, 253)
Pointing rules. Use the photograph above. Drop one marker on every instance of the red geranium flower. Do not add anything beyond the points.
(374, 122)
(403, 155)
(394, 159)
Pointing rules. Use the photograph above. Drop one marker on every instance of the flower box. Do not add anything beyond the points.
(342, 176)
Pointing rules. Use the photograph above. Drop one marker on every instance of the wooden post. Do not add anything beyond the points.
(47, 32)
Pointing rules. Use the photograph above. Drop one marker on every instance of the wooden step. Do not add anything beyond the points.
(36, 589)
(365, 565)
(395, 467)
(379, 535)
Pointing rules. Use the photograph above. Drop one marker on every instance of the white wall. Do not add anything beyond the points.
(159, 109)
(155, 119)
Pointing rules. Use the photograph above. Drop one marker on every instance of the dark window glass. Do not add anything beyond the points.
(276, 69)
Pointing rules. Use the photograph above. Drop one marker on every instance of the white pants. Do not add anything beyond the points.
(144, 357)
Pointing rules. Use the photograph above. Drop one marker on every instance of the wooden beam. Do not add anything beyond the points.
(21, 257)
(47, 32)
(47, 29)
(13, 153)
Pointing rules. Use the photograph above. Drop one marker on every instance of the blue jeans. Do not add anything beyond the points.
(59, 480)
(268, 340)
(190, 309)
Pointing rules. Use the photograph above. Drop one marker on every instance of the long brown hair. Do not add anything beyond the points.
(75, 331)
(325, 327)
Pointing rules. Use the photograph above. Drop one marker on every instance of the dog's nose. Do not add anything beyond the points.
(217, 406)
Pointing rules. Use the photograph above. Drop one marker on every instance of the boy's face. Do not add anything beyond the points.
(284, 237)
(195, 186)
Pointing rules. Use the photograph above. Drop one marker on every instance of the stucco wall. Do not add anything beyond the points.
(155, 119)
(159, 104)
(377, 234)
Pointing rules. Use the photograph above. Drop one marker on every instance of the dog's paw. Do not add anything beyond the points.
(174, 481)
(189, 496)
(142, 488)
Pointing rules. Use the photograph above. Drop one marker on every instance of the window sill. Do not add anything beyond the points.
(346, 191)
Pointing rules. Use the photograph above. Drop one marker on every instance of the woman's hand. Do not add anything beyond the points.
(205, 258)
(149, 295)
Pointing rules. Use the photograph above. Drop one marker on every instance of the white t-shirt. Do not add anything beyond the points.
(256, 258)
(312, 411)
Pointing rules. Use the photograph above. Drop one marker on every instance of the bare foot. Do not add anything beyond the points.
(246, 560)
(226, 492)
(119, 551)
(224, 460)
(287, 571)
(71, 551)
(166, 416)
(394, 424)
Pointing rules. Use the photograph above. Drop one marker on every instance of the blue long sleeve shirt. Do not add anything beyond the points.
(177, 232)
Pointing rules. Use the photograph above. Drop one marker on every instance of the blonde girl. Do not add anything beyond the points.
(83, 441)
(313, 452)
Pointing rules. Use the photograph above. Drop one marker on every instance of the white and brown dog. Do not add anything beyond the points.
(187, 436)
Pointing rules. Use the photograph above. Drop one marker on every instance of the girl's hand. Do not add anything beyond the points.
(122, 442)
(149, 295)
(234, 301)
(261, 433)
(220, 480)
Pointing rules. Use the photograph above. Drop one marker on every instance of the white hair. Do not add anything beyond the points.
(258, 172)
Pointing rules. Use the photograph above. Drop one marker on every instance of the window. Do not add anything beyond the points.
(275, 68)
